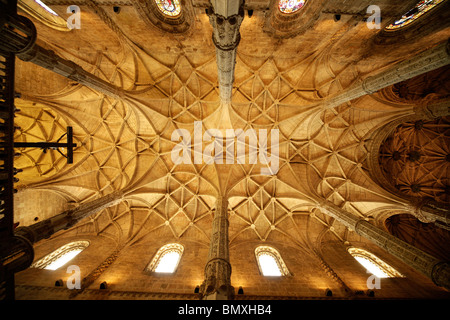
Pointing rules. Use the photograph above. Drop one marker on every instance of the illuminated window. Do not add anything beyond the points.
(43, 13)
(373, 264)
(290, 6)
(167, 258)
(171, 8)
(419, 9)
(270, 262)
(47, 8)
(61, 256)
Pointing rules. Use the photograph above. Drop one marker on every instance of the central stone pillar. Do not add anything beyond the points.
(217, 283)
(226, 18)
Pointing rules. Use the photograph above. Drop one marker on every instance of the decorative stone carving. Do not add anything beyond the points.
(432, 211)
(217, 283)
(97, 272)
(332, 274)
(168, 248)
(269, 251)
(226, 37)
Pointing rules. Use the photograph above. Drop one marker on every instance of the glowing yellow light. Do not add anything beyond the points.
(371, 267)
(168, 262)
(63, 259)
(268, 265)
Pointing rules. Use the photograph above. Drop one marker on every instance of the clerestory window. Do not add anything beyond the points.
(414, 13)
(61, 256)
(171, 8)
(373, 264)
(166, 259)
(270, 262)
(290, 6)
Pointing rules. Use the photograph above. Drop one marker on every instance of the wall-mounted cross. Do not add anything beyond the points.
(53, 145)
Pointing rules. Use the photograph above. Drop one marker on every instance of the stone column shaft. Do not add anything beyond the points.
(217, 283)
(436, 270)
(226, 38)
(26, 49)
(67, 219)
(226, 8)
(51, 61)
(426, 61)
(431, 211)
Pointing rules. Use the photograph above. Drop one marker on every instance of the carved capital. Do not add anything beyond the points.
(437, 109)
(217, 280)
(428, 210)
(226, 35)
(441, 274)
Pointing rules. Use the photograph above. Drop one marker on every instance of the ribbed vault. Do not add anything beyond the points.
(171, 82)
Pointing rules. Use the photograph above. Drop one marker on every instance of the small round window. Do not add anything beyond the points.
(290, 6)
(171, 8)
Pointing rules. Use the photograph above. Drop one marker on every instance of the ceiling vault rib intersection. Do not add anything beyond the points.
(327, 163)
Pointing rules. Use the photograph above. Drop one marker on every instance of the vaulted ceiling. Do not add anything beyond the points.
(283, 72)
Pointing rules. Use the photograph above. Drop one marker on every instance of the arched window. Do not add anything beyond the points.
(61, 256)
(171, 8)
(290, 6)
(270, 262)
(47, 8)
(419, 9)
(167, 258)
(373, 264)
